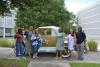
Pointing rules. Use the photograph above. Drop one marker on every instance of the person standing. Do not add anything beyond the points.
(28, 33)
(80, 36)
(60, 44)
(71, 43)
(19, 44)
(36, 39)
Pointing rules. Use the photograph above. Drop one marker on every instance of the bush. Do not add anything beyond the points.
(7, 42)
(92, 45)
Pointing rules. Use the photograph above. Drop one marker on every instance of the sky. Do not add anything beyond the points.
(76, 5)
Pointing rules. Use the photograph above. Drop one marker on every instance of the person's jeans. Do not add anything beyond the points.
(80, 50)
(19, 50)
(35, 49)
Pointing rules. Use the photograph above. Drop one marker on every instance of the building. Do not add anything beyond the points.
(89, 19)
(8, 25)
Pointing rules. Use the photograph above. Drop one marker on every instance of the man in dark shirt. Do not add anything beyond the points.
(80, 36)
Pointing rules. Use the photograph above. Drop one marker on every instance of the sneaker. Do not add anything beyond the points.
(20, 58)
(23, 57)
(17, 58)
(60, 58)
(80, 59)
(70, 59)
(34, 56)
(56, 58)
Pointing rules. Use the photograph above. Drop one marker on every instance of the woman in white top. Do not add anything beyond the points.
(71, 42)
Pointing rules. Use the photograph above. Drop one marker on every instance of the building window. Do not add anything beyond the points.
(8, 30)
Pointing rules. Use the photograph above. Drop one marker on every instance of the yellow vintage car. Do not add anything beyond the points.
(49, 34)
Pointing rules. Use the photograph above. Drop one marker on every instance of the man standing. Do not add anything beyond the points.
(80, 36)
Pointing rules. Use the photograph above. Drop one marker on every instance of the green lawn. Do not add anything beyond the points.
(14, 63)
(84, 65)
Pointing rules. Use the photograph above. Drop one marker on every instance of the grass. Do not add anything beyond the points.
(7, 42)
(84, 65)
(14, 63)
(92, 45)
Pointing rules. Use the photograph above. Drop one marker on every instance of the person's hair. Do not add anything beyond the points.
(83, 31)
(67, 32)
(20, 31)
(35, 31)
(72, 33)
(30, 27)
(80, 29)
(60, 29)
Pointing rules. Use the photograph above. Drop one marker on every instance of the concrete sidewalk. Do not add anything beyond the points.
(90, 57)
(7, 53)
(48, 60)
(48, 64)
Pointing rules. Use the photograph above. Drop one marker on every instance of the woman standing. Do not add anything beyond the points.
(71, 43)
(28, 33)
(36, 43)
(19, 44)
(60, 44)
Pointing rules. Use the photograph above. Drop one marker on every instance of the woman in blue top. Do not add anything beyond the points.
(36, 39)
(60, 44)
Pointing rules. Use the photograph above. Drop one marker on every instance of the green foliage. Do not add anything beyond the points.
(3, 7)
(6, 5)
(38, 12)
(5, 42)
(14, 63)
(84, 65)
(21, 3)
(92, 45)
(44, 13)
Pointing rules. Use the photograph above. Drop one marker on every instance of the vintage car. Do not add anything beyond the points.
(49, 34)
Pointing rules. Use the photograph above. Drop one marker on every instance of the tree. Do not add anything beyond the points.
(6, 5)
(3, 7)
(37, 12)
(43, 13)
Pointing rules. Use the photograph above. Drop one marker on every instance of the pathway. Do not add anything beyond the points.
(48, 60)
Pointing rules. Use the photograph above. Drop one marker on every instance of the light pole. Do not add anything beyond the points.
(75, 25)
(4, 25)
(4, 19)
